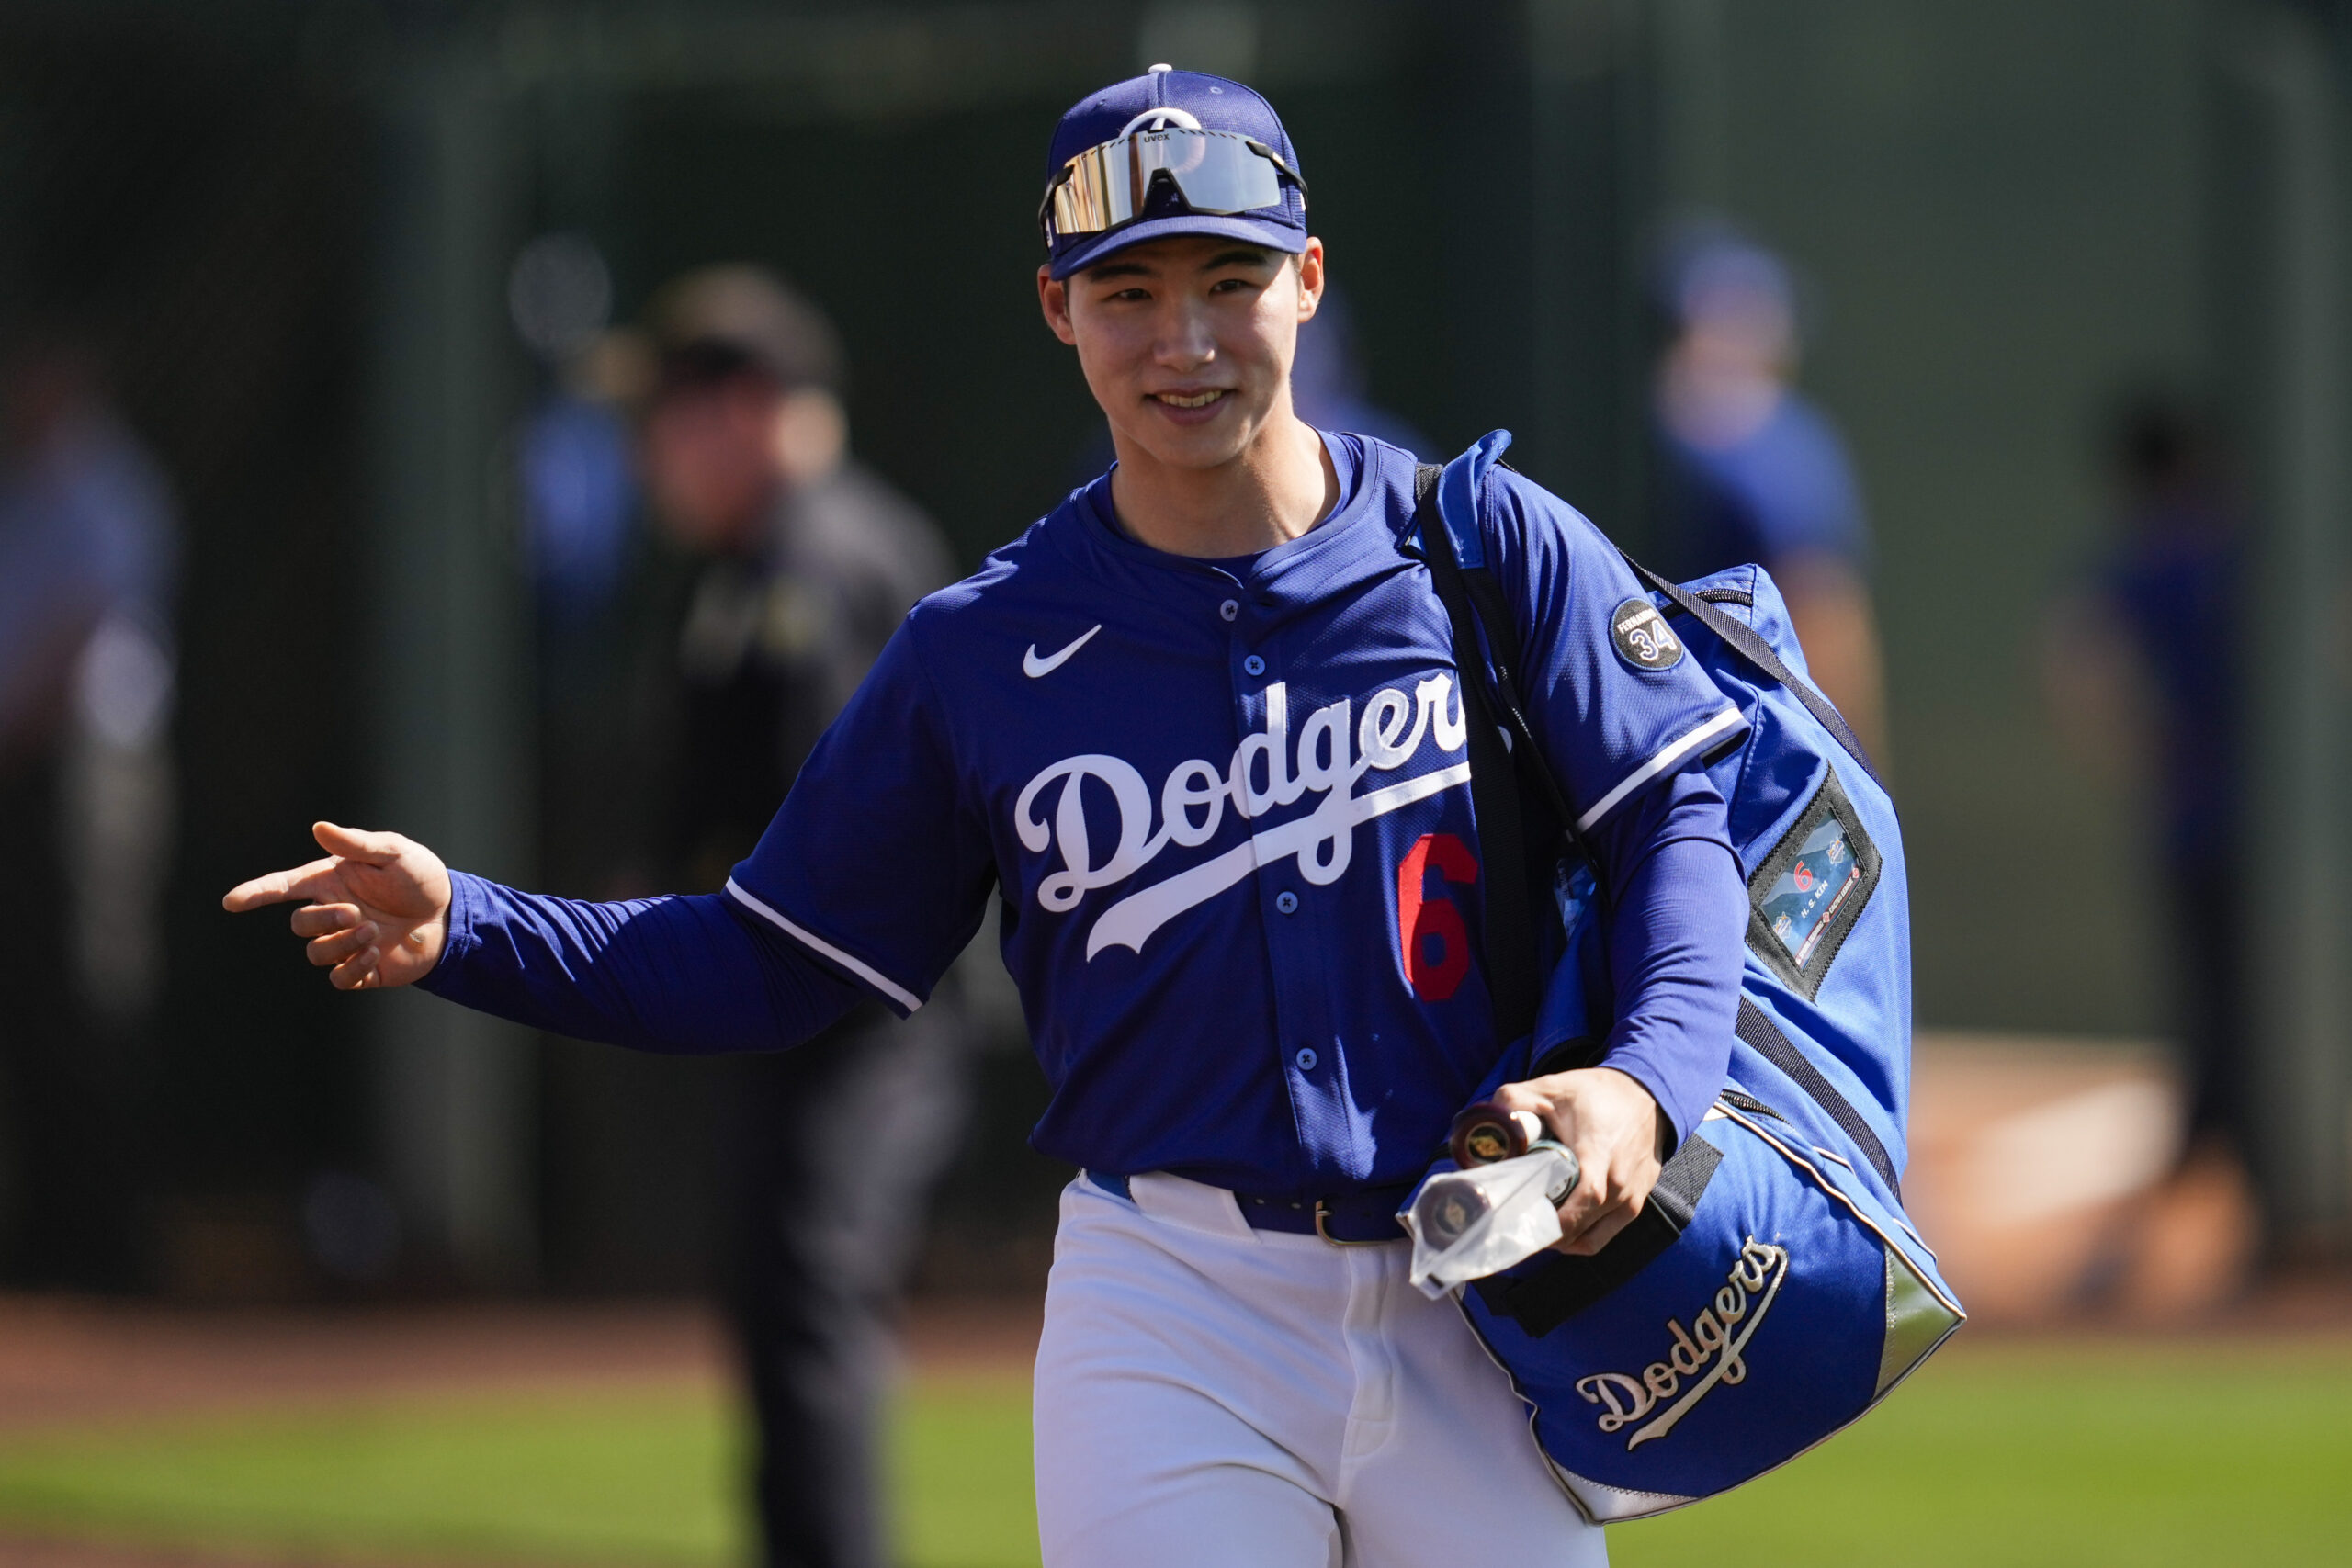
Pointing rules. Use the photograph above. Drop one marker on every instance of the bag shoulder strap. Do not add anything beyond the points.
(1766, 1039)
(1490, 701)
(1475, 601)
(1511, 981)
(1744, 640)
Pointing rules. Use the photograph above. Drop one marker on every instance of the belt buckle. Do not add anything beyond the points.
(1321, 1213)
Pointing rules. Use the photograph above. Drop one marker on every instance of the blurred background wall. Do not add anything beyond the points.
(2000, 208)
(289, 232)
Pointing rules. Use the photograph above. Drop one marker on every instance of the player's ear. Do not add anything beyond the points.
(1309, 262)
(1053, 301)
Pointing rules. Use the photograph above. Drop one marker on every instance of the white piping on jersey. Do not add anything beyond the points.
(865, 971)
(1132, 920)
(1666, 755)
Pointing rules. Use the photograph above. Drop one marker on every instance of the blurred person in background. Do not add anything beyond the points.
(808, 563)
(576, 472)
(88, 543)
(2143, 668)
(1754, 472)
(597, 609)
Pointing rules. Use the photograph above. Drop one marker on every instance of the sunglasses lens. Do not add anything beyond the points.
(1215, 172)
(1097, 194)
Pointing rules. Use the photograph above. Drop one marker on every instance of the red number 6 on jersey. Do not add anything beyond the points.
(1430, 938)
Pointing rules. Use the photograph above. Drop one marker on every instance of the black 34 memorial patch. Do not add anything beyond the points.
(1642, 637)
(1810, 890)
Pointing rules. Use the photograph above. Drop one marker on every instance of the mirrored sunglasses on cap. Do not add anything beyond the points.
(1218, 173)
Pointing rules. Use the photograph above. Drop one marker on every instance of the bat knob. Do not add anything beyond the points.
(1486, 1133)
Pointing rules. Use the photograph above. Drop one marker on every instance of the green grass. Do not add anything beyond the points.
(2019, 1456)
(1996, 1456)
(646, 1478)
(621, 1478)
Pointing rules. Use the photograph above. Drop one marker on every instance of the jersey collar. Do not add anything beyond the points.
(1357, 542)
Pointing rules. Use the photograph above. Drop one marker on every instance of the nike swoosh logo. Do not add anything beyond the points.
(1033, 666)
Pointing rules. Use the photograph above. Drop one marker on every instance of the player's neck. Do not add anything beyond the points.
(1280, 486)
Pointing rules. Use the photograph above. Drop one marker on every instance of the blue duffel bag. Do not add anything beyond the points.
(1772, 1289)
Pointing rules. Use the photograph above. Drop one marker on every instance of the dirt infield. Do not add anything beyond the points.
(17, 1551)
(68, 1360)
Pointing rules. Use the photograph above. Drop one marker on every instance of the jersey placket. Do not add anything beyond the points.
(1296, 917)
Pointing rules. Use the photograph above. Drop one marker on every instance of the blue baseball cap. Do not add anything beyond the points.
(1165, 98)
(1708, 267)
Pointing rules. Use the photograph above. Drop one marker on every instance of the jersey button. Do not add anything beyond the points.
(1306, 1058)
(1286, 902)
(1230, 609)
(1253, 665)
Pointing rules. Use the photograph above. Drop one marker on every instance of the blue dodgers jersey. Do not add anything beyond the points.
(1227, 816)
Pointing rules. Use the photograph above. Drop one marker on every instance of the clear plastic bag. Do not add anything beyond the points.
(1469, 1224)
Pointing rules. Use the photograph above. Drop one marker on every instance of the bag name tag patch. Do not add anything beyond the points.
(1803, 901)
(1807, 894)
(1642, 638)
(1706, 1354)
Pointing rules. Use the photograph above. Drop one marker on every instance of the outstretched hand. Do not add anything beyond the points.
(1612, 1125)
(376, 909)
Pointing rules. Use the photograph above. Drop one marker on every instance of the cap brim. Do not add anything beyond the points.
(1274, 236)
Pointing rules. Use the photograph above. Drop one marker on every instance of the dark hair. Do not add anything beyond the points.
(720, 322)
(2156, 440)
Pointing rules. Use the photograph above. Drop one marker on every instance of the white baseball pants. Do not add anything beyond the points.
(1213, 1397)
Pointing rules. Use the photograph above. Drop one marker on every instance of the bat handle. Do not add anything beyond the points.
(1565, 1181)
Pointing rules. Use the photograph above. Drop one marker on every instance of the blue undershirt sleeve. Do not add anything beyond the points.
(681, 976)
(1677, 942)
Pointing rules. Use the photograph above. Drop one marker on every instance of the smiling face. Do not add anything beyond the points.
(1187, 342)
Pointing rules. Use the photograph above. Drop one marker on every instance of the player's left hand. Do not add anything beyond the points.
(1610, 1122)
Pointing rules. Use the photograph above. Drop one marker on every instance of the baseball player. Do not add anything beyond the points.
(1201, 729)
(1755, 470)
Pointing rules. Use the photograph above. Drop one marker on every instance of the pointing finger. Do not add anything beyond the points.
(279, 886)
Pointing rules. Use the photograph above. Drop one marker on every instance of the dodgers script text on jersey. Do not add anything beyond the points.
(1225, 804)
